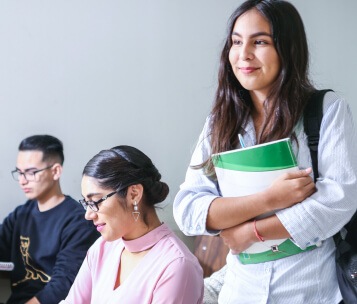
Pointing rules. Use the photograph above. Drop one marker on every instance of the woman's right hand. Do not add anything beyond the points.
(290, 188)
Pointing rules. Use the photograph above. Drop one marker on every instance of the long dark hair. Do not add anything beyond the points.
(290, 91)
(122, 166)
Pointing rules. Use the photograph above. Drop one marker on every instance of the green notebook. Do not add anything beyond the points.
(249, 170)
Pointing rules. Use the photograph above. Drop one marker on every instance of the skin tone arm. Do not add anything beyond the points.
(242, 236)
(287, 190)
(33, 301)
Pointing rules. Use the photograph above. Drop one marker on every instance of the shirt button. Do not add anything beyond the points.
(198, 227)
(267, 270)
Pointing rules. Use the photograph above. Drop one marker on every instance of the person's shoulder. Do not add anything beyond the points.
(72, 217)
(24, 208)
(21, 213)
(69, 200)
(336, 109)
(72, 211)
(176, 247)
(178, 255)
(71, 204)
(207, 124)
(333, 99)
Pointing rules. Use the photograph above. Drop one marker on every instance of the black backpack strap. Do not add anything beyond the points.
(312, 122)
(313, 113)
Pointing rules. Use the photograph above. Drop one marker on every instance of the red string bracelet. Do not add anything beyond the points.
(260, 238)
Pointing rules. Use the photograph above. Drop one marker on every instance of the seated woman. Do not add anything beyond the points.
(137, 259)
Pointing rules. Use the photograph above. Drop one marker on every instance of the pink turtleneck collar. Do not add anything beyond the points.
(147, 240)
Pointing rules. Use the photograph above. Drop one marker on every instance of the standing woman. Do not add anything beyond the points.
(137, 259)
(263, 87)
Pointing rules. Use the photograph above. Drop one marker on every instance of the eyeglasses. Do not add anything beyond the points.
(94, 205)
(28, 175)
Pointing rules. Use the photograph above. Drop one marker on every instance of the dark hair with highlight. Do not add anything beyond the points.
(122, 166)
(290, 91)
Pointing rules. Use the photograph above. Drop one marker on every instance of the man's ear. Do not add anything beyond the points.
(135, 193)
(57, 171)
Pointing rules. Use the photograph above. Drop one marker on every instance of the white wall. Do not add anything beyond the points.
(102, 73)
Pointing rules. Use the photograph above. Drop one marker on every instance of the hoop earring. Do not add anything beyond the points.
(136, 213)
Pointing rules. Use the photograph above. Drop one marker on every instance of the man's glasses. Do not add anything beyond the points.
(94, 205)
(28, 175)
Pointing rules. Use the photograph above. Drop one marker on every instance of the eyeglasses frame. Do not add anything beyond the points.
(19, 172)
(93, 205)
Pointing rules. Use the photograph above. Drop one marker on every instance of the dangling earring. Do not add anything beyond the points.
(136, 213)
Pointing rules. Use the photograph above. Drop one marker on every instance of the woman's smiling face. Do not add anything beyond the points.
(253, 57)
(113, 219)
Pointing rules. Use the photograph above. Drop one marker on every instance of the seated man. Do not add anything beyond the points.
(46, 238)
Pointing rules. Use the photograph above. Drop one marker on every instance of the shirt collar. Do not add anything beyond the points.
(148, 240)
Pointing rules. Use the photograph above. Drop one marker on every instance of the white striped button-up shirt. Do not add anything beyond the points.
(307, 277)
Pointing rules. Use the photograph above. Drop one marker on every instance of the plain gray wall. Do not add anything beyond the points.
(102, 73)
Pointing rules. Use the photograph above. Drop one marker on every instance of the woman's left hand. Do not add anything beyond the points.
(239, 238)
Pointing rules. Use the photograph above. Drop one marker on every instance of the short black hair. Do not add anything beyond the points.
(50, 146)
